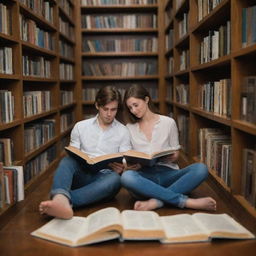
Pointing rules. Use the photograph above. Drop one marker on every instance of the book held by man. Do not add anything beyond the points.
(109, 223)
(131, 157)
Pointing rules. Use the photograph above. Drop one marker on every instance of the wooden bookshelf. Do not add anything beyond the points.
(235, 64)
(54, 47)
(115, 48)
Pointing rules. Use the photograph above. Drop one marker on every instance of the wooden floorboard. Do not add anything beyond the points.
(15, 238)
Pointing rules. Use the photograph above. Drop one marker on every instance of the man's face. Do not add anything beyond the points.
(108, 112)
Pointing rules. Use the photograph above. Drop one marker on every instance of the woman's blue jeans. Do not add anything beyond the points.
(168, 185)
(84, 187)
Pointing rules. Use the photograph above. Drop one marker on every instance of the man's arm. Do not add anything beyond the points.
(75, 137)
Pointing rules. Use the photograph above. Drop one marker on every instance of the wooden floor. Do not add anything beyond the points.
(15, 238)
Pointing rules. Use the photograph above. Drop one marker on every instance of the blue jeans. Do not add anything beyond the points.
(163, 183)
(83, 187)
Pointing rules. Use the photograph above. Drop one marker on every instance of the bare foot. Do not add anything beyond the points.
(204, 203)
(58, 207)
(147, 205)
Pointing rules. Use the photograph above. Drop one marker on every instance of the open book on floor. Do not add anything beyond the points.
(109, 223)
(131, 157)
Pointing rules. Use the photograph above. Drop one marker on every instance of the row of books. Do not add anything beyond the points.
(6, 151)
(67, 7)
(183, 126)
(5, 19)
(66, 29)
(36, 66)
(183, 25)
(42, 8)
(89, 93)
(216, 44)
(119, 69)
(116, 2)
(35, 102)
(39, 164)
(66, 50)
(169, 91)
(215, 150)
(215, 97)
(11, 185)
(184, 59)
(248, 99)
(66, 97)
(38, 133)
(248, 26)
(171, 65)
(32, 33)
(205, 7)
(119, 21)
(66, 121)
(6, 62)
(6, 106)
(120, 45)
(182, 93)
(249, 175)
(66, 71)
(169, 39)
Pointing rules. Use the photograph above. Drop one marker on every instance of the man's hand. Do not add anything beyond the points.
(117, 167)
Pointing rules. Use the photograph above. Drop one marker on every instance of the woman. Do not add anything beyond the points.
(164, 183)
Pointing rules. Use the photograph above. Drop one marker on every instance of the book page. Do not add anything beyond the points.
(140, 220)
(182, 227)
(220, 223)
(70, 230)
(103, 218)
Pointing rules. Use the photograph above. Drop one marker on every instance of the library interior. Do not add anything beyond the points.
(195, 57)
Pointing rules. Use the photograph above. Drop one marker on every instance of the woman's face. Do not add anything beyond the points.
(137, 107)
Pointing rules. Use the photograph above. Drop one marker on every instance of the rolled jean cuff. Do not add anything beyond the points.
(60, 191)
(183, 199)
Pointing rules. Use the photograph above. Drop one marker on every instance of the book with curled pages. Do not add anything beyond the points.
(109, 223)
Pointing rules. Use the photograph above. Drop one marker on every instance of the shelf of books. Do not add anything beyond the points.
(211, 91)
(119, 41)
(37, 90)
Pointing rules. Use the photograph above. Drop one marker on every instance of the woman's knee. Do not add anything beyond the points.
(201, 170)
(128, 177)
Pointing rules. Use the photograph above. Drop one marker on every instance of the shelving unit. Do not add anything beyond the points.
(231, 66)
(40, 82)
(120, 46)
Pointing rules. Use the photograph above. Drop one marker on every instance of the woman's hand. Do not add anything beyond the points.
(134, 167)
(170, 158)
(117, 167)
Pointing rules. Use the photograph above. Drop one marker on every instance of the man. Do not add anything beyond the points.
(73, 186)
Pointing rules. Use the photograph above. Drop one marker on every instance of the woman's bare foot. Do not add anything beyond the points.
(147, 205)
(204, 203)
(58, 207)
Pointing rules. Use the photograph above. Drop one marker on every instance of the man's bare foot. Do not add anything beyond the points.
(204, 203)
(58, 207)
(147, 205)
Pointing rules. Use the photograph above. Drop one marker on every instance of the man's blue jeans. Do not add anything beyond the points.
(81, 186)
(165, 184)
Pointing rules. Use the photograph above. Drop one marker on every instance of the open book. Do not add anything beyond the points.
(94, 163)
(106, 224)
(131, 157)
(109, 223)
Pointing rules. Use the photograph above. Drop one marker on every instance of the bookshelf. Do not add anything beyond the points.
(222, 70)
(120, 46)
(37, 85)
